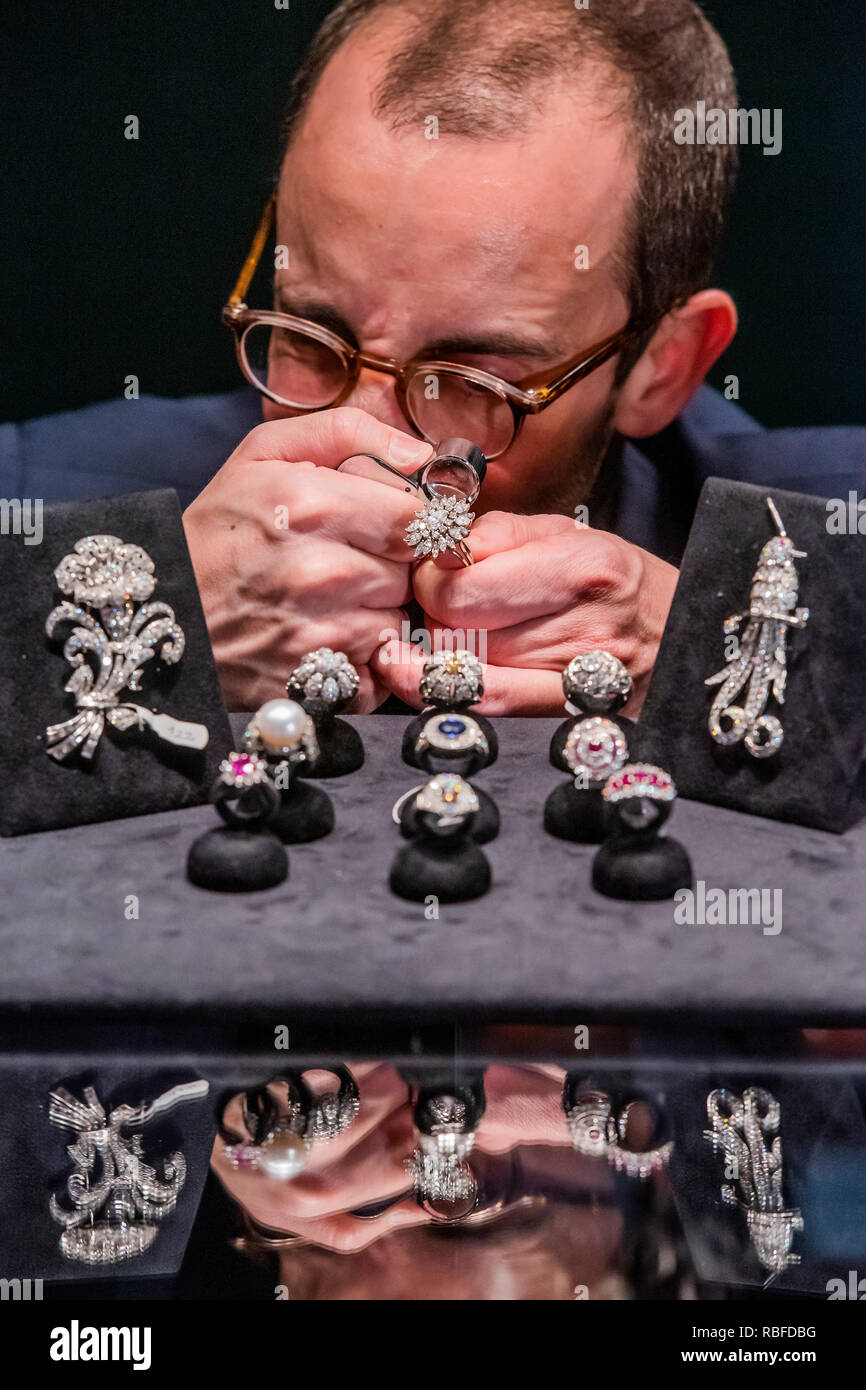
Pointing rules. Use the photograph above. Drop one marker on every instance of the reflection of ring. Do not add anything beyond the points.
(595, 748)
(596, 683)
(642, 1163)
(282, 729)
(640, 797)
(445, 1124)
(452, 679)
(441, 525)
(243, 793)
(589, 1119)
(276, 1144)
(445, 805)
(324, 675)
(333, 1112)
(452, 737)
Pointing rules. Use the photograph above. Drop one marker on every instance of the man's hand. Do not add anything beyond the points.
(542, 589)
(290, 555)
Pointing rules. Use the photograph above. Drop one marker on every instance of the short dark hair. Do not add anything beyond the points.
(482, 66)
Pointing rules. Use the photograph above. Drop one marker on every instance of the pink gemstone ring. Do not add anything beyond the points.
(640, 796)
(243, 792)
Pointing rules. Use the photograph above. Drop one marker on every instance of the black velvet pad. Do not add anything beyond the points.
(132, 773)
(641, 868)
(414, 727)
(561, 732)
(485, 826)
(231, 859)
(576, 814)
(341, 749)
(306, 813)
(454, 871)
(334, 945)
(813, 777)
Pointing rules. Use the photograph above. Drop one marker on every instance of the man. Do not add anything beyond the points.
(492, 184)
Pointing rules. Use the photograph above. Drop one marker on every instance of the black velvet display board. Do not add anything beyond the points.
(815, 778)
(132, 772)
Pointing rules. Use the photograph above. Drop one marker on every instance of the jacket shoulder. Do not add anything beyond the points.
(123, 446)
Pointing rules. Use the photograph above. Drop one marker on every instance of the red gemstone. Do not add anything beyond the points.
(241, 765)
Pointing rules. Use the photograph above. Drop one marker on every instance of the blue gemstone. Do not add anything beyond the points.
(452, 728)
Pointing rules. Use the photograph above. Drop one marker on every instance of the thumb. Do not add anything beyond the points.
(399, 666)
(327, 437)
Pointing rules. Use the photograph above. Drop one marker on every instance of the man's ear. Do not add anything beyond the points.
(674, 363)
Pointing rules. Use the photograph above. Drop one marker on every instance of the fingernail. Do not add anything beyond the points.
(404, 450)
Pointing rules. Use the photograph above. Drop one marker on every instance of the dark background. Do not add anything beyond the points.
(119, 253)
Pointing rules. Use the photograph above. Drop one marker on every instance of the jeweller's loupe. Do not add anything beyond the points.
(457, 469)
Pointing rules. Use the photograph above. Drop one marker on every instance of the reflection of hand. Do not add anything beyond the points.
(541, 589)
(290, 554)
(362, 1166)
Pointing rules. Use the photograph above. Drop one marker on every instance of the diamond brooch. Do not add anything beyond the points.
(757, 666)
(107, 579)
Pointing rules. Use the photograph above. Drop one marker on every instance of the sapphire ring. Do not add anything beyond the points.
(451, 739)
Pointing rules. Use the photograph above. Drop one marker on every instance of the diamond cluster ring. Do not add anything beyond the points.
(452, 679)
(445, 805)
(595, 749)
(595, 683)
(324, 675)
(442, 524)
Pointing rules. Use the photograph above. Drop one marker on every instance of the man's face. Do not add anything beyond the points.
(464, 250)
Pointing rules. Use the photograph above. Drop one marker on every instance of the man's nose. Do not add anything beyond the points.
(376, 393)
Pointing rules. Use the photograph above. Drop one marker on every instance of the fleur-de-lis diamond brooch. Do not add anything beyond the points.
(110, 642)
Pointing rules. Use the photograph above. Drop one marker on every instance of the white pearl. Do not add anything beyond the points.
(284, 1156)
(280, 724)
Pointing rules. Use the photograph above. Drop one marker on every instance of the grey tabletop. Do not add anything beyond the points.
(334, 942)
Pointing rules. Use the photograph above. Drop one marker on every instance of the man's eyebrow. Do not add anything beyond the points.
(317, 311)
(494, 344)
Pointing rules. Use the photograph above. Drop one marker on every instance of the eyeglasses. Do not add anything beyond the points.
(304, 366)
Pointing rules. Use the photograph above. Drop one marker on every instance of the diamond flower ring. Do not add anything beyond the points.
(441, 525)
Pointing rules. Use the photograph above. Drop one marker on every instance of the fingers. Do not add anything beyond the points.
(398, 666)
(503, 531)
(544, 575)
(507, 690)
(327, 437)
(347, 1235)
(499, 531)
(523, 1107)
(367, 1173)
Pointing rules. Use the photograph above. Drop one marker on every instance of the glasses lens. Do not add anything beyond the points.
(297, 368)
(445, 404)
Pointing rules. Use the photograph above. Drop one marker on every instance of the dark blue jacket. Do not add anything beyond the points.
(647, 492)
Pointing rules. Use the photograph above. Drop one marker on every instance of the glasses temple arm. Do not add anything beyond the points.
(255, 254)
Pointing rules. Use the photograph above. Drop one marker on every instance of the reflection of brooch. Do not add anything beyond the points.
(441, 525)
(741, 1128)
(110, 577)
(111, 1178)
